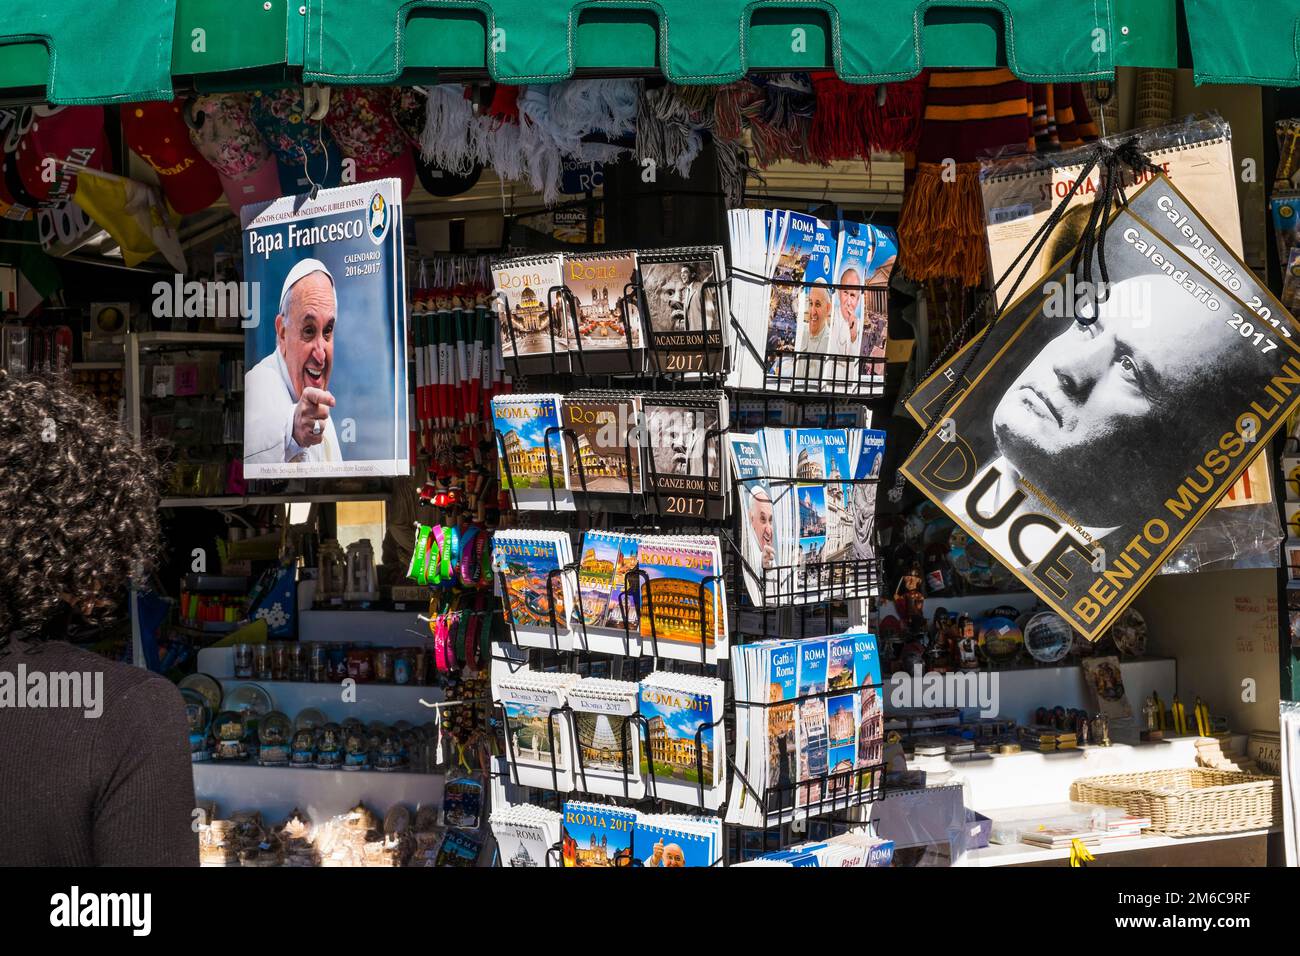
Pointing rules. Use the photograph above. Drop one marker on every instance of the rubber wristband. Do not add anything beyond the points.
(486, 576)
(436, 556)
(451, 539)
(430, 563)
(440, 645)
(468, 551)
(419, 555)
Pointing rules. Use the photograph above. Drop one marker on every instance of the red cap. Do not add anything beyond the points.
(158, 134)
(67, 134)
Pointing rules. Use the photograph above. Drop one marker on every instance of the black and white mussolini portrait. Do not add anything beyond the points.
(1083, 451)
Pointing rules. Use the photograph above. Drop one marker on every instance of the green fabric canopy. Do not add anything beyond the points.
(93, 52)
(527, 41)
(78, 51)
(1245, 41)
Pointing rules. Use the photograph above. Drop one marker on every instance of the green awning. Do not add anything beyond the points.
(715, 41)
(89, 52)
(77, 51)
(1245, 41)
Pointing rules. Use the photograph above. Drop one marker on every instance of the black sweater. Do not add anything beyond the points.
(115, 789)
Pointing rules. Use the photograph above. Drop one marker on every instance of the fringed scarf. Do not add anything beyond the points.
(526, 132)
(968, 114)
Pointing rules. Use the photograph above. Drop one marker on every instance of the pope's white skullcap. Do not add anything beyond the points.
(300, 271)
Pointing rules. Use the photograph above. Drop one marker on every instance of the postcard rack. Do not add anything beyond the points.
(810, 371)
(637, 597)
(573, 361)
(831, 793)
(654, 499)
(661, 504)
(566, 712)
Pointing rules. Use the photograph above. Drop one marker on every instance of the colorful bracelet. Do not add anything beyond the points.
(435, 564)
(419, 555)
(469, 545)
(440, 645)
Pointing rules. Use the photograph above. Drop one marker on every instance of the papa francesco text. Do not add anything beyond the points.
(267, 244)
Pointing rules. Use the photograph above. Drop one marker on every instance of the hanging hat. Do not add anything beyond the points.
(304, 149)
(156, 132)
(224, 133)
(441, 182)
(68, 134)
(361, 119)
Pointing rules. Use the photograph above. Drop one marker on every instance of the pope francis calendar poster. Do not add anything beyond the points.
(325, 392)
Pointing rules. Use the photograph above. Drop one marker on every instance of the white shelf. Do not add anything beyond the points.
(386, 702)
(1022, 690)
(275, 791)
(1013, 854)
(381, 628)
(195, 339)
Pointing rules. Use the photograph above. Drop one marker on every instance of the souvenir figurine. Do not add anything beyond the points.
(909, 599)
(944, 632)
(967, 646)
(938, 573)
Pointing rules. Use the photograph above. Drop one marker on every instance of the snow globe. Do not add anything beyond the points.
(303, 748)
(356, 749)
(273, 743)
(228, 732)
(199, 715)
(329, 747)
(389, 751)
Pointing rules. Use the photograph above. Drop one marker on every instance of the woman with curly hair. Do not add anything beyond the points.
(94, 754)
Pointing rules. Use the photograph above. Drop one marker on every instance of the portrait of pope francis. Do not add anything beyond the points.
(287, 402)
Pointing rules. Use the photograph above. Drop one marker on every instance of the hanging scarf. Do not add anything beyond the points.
(894, 125)
(836, 132)
(451, 138)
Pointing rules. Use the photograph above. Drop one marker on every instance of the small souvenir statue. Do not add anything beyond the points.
(938, 572)
(909, 599)
(1101, 730)
(944, 630)
(967, 645)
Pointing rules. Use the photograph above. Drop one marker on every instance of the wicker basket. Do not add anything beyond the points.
(1190, 801)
